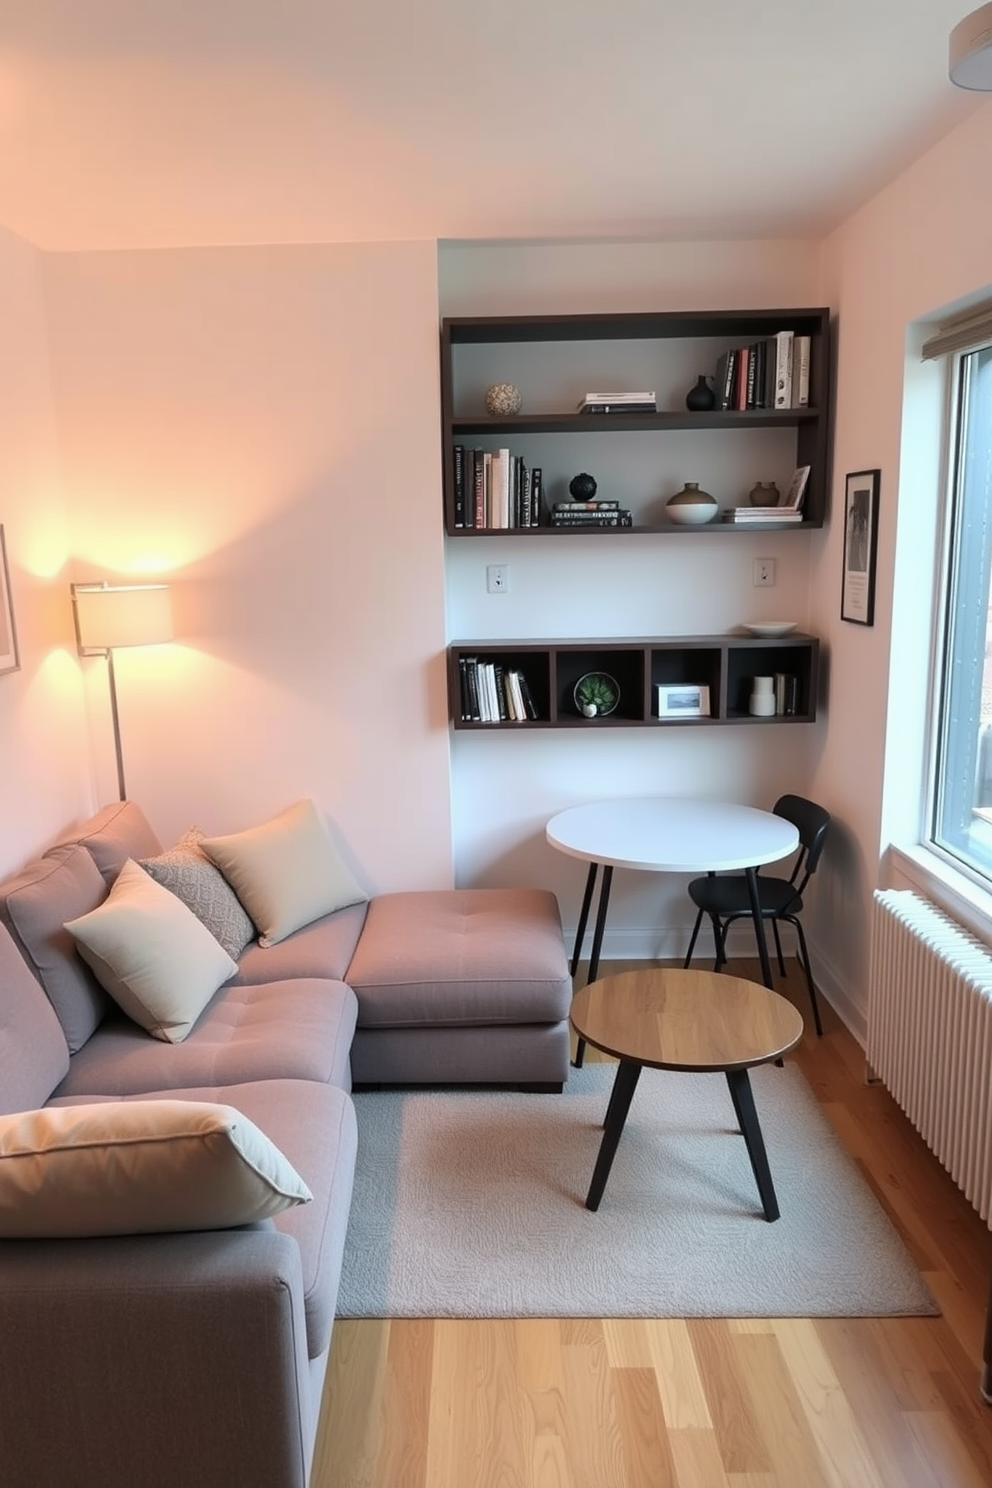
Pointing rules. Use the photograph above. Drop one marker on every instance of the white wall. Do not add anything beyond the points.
(920, 245)
(260, 425)
(504, 788)
(44, 768)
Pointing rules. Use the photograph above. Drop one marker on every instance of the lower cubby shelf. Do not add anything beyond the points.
(649, 682)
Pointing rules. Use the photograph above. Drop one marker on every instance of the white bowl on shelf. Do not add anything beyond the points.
(769, 628)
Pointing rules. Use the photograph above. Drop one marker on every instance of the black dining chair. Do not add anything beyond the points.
(725, 897)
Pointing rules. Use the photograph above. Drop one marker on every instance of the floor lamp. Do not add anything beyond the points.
(108, 616)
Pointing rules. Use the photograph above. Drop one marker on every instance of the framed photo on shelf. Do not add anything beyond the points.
(9, 659)
(681, 700)
(857, 602)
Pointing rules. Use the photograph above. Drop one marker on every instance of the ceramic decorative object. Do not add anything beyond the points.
(582, 487)
(597, 694)
(762, 702)
(503, 399)
(764, 493)
(691, 506)
(700, 398)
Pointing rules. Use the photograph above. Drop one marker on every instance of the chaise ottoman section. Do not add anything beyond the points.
(461, 986)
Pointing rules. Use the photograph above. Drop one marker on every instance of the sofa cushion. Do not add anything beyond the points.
(34, 906)
(320, 949)
(34, 1055)
(155, 958)
(286, 872)
(461, 957)
(117, 832)
(314, 1126)
(299, 1030)
(138, 1167)
(186, 871)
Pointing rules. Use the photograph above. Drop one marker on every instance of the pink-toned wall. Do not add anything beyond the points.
(44, 766)
(260, 425)
(923, 243)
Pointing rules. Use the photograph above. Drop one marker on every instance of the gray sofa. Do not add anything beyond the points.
(198, 1357)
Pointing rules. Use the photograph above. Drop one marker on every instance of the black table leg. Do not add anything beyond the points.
(597, 943)
(759, 925)
(747, 1116)
(624, 1086)
(580, 932)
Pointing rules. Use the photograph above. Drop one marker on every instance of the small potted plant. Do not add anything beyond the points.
(596, 695)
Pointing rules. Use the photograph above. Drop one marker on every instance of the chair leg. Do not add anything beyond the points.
(692, 941)
(778, 947)
(719, 943)
(804, 956)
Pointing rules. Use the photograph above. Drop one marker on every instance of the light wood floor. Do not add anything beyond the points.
(558, 1403)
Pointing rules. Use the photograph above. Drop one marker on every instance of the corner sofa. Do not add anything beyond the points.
(197, 1356)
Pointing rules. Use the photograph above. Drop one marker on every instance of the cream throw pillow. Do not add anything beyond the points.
(158, 962)
(138, 1167)
(286, 872)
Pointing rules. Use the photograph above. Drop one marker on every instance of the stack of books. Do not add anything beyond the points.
(619, 403)
(493, 693)
(590, 514)
(788, 511)
(773, 373)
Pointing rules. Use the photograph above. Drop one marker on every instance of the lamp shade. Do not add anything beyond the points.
(970, 51)
(112, 615)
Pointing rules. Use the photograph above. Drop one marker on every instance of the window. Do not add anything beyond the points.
(960, 823)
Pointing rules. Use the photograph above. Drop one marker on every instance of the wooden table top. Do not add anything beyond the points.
(685, 1020)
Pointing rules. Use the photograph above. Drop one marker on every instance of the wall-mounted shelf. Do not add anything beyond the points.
(723, 664)
(561, 357)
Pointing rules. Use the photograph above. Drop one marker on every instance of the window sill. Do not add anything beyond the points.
(953, 892)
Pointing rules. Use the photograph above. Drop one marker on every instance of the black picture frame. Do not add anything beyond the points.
(857, 600)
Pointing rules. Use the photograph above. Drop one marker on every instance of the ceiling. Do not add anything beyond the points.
(149, 123)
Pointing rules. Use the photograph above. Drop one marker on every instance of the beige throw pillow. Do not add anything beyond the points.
(138, 1167)
(286, 872)
(158, 962)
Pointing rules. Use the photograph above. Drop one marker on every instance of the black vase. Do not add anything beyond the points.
(701, 398)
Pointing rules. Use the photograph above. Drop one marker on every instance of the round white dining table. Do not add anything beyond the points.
(668, 834)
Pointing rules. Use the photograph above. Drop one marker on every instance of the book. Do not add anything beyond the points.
(751, 387)
(499, 680)
(758, 515)
(590, 400)
(517, 711)
(459, 472)
(740, 383)
(479, 487)
(561, 506)
(783, 369)
(536, 496)
(759, 353)
(618, 407)
(474, 714)
(793, 498)
(725, 379)
(530, 708)
(592, 519)
(800, 371)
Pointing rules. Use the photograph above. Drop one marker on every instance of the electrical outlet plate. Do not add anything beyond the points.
(764, 573)
(497, 578)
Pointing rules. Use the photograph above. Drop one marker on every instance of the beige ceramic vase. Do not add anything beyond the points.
(764, 494)
(691, 506)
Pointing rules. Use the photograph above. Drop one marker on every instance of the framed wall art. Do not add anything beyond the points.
(857, 602)
(9, 659)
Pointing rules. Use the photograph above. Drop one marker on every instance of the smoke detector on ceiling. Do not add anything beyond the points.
(970, 51)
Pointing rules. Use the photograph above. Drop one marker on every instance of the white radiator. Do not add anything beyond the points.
(930, 1033)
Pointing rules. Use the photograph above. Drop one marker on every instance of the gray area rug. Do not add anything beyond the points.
(472, 1204)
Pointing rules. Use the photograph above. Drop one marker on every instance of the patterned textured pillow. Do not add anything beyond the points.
(186, 871)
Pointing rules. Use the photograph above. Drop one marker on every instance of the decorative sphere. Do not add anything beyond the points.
(582, 487)
(503, 399)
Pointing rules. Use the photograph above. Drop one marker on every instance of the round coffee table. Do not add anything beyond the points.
(695, 1021)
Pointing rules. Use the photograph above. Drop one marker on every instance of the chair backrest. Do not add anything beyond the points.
(811, 821)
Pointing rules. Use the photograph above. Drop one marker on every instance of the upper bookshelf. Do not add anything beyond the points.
(637, 459)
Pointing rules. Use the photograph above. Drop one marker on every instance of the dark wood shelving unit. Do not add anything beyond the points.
(723, 663)
(729, 328)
